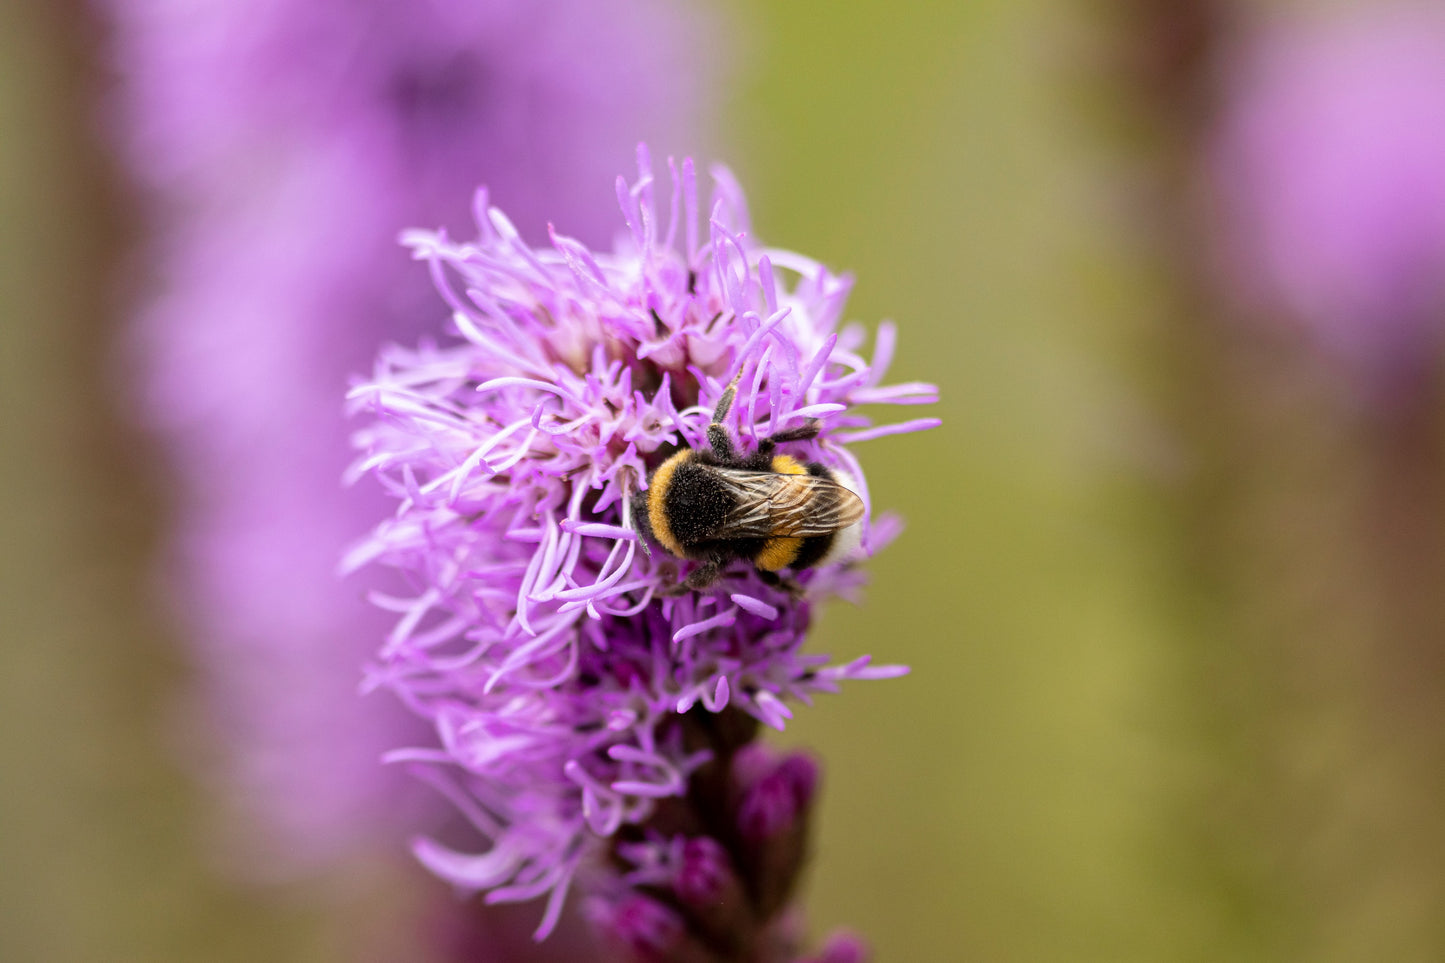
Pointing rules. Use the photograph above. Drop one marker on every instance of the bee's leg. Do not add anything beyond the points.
(641, 521)
(703, 576)
(782, 582)
(717, 435)
(803, 432)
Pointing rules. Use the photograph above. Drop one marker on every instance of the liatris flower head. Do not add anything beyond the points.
(1330, 161)
(593, 709)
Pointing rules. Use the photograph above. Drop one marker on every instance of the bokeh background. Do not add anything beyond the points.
(1171, 587)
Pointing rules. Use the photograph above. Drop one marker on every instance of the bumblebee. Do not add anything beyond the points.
(716, 505)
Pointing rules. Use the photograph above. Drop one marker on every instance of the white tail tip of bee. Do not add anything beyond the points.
(848, 542)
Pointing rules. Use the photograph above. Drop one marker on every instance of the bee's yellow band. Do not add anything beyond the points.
(778, 553)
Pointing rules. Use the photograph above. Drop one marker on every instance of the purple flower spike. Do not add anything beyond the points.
(773, 802)
(1330, 162)
(706, 875)
(282, 145)
(588, 709)
(646, 927)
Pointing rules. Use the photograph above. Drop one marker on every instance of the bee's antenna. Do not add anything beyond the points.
(717, 436)
(725, 403)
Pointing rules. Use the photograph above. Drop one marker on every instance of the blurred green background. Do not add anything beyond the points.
(1144, 721)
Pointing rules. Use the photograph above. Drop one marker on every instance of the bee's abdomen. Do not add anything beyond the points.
(812, 549)
(779, 553)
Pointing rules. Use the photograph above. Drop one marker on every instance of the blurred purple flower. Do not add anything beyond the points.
(579, 698)
(1330, 162)
(286, 144)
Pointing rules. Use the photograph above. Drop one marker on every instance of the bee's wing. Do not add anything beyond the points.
(771, 505)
